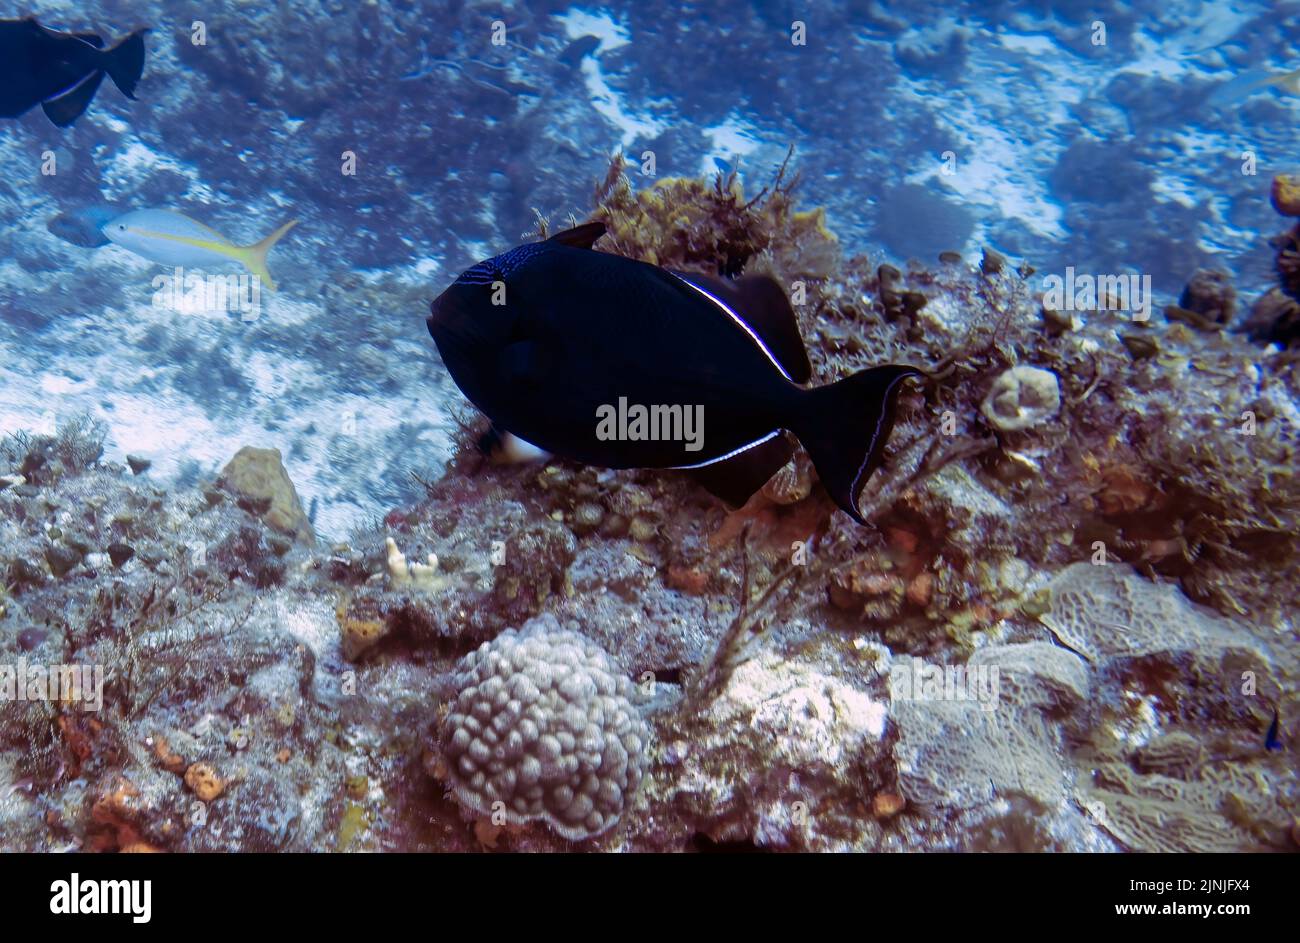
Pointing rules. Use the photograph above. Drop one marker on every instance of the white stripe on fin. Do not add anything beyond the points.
(856, 488)
(732, 454)
(73, 87)
(745, 327)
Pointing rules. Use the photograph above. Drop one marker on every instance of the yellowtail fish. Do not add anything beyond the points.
(1251, 82)
(171, 238)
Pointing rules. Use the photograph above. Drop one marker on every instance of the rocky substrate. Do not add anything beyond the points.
(1101, 509)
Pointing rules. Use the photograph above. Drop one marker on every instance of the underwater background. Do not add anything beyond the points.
(1101, 507)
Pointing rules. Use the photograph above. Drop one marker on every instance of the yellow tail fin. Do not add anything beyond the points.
(254, 256)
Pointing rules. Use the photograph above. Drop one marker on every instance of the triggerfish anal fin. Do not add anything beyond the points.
(759, 302)
(69, 106)
(735, 479)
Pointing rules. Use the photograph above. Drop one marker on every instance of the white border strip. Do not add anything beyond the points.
(739, 320)
(732, 454)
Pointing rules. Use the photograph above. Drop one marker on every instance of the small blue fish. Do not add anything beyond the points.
(1271, 739)
(85, 227)
(1248, 83)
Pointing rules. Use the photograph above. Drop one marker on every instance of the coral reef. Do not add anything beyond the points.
(259, 480)
(1103, 612)
(1022, 398)
(692, 224)
(543, 726)
(401, 573)
(963, 752)
(1275, 316)
(1096, 511)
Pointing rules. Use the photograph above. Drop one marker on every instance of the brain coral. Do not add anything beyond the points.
(545, 724)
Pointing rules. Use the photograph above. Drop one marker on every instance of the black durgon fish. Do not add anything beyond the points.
(61, 71)
(85, 226)
(1273, 739)
(552, 338)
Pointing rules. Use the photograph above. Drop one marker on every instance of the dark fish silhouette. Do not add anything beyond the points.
(552, 339)
(61, 71)
(1272, 740)
(84, 227)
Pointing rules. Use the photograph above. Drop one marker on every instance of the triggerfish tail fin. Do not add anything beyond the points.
(844, 428)
(254, 256)
(125, 63)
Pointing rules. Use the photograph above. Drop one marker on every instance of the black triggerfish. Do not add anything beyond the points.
(613, 362)
(61, 71)
(1272, 739)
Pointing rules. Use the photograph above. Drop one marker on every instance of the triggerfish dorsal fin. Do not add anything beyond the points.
(580, 237)
(759, 302)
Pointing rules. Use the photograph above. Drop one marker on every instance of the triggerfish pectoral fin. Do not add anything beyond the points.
(254, 256)
(1272, 741)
